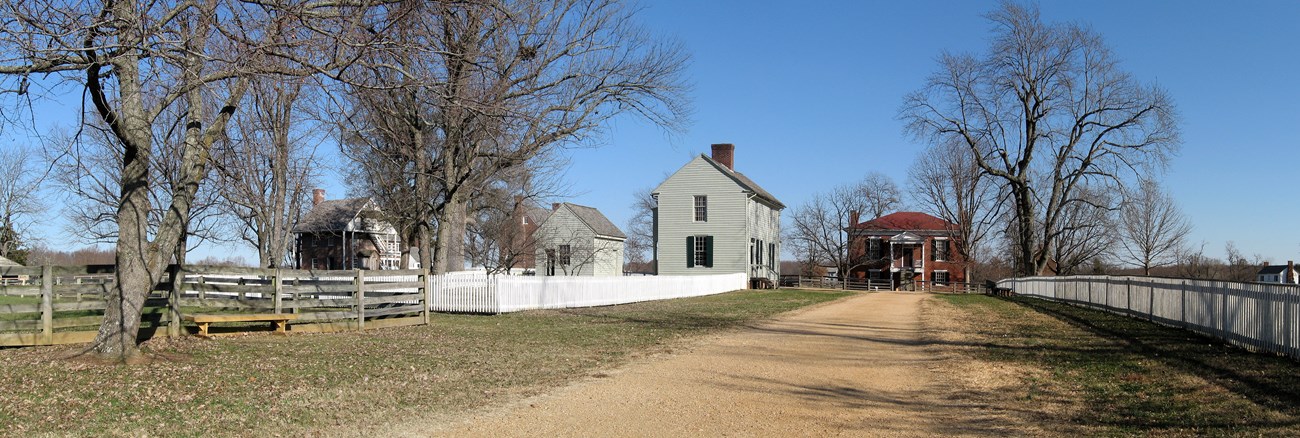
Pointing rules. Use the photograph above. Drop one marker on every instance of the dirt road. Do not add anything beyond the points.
(856, 367)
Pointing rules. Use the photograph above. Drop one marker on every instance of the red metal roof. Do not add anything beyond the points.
(905, 220)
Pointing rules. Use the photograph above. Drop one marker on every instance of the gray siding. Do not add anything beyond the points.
(590, 255)
(732, 219)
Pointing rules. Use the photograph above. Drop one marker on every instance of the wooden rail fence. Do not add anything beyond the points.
(65, 304)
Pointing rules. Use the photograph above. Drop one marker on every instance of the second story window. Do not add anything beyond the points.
(701, 208)
(940, 249)
(875, 249)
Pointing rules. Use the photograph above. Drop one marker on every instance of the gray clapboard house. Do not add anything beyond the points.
(580, 241)
(711, 219)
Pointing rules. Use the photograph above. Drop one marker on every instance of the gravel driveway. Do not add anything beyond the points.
(860, 366)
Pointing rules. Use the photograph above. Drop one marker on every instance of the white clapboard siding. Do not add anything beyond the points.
(481, 293)
(1256, 316)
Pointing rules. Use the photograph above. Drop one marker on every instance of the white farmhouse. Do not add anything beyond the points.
(578, 240)
(711, 219)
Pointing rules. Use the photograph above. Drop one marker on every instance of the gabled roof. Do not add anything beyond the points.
(1271, 270)
(331, 215)
(745, 182)
(905, 220)
(596, 221)
(6, 262)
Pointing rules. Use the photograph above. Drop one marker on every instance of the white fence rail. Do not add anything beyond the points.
(480, 293)
(1256, 316)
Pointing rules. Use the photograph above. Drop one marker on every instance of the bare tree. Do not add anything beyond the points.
(818, 226)
(21, 182)
(880, 196)
(1084, 231)
(640, 227)
(1046, 100)
(161, 70)
(501, 82)
(1152, 229)
(268, 166)
(948, 184)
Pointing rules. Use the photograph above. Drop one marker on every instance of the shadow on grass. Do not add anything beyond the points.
(1264, 379)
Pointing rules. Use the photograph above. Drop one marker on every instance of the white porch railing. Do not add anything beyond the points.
(481, 293)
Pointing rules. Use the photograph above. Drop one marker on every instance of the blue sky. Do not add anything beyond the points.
(809, 93)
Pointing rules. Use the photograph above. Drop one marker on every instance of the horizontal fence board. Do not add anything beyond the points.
(88, 289)
(321, 288)
(384, 311)
(82, 321)
(325, 316)
(380, 286)
(20, 308)
(80, 305)
(227, 303)
(399, 298)
(21, 324)
(228, 288)
(325, 302)
(20, 290)
(60, 338)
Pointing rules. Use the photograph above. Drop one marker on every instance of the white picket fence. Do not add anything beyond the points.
(1257, 316)
(480, 293)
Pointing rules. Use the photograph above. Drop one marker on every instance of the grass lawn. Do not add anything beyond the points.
(354, 383)
(1123, 376)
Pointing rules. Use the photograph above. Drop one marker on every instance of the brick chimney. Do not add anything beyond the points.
(853, 217)
(1290, 268)
(317, 196)
(725, 154)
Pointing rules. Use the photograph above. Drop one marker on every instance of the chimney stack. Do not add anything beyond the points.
(725, 154)
(1289, 277)
(317, 196)
(555, 206)
(853, 217)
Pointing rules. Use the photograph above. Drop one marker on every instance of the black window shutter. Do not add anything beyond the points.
(708, 251)
(690, 251)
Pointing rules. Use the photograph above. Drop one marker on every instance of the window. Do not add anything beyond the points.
(699, 251)
(564, 253)
(875, 248)
(758, 253)
(771, 256)
(752, 251)
(701, 208)
(941, 278)
(940, 250)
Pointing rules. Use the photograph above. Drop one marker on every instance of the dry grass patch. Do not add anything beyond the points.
(356, 382)
(1078, 371)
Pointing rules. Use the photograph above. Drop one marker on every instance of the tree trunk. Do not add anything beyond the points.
(1029, 265)
(450, 252)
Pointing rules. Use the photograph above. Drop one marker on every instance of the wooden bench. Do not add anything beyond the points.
(278, 320)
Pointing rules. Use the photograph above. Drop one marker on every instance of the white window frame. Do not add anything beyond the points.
(701, 208)
(947, 251)
(701, 252)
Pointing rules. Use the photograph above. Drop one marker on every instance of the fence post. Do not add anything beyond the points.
(361, 300)
(428, 294)
(47, 304)
(277, 286)
(1128, 295)
(174, 303)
